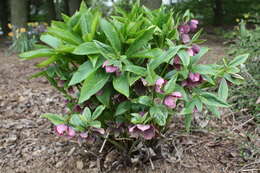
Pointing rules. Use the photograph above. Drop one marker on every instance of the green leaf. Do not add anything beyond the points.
(54, 118)
(152, 53)
(47, 62)
(144, 100)
(223, 90)
(86, 115)
(170, 86)
(121, 85)
(96, 124)
(68, 48)
(238, 60)
(197, 57)
(111, 34)
(189, 107)
(51, 41)
(123, 108)
(87, 48)
(196, 36)
(187, 122)
(140, 41)
(84, 70)
(65, 35)
(198, 103)
(37, 53)
(204, 69)
(160, 114)
(98, 111)
(214, 110)
(151, 76)
(104, 98)
(76, 121)
(185, 57)
(136, 69)
(211, 99)
(85, 24)
(92, 84)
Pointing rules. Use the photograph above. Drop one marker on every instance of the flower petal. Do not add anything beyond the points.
(143, 127)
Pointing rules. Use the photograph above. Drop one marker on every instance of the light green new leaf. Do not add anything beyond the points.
(111, 34)
(47, 62)
(87, 48)
(160, 114)
(92, 84)
(140, 41)
(121, 84)
(238, 60)
(223, 90)
(54, 118)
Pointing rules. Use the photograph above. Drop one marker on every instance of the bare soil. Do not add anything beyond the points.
(28, 144)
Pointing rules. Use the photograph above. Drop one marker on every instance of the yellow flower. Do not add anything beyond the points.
(22, 30)
(10, 26)
(237, 20)
(246, 16)
(10, 34)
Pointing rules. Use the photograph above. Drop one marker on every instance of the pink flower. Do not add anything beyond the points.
(142, 130)
(193, 24)
(159, 84)
(145, 83)
(184, 29)
(193, 80)
(170, 100)
(110, 68)
(177, 62)
(64, 130)
(185, 38)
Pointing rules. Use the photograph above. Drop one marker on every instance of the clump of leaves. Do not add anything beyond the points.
(124, 76)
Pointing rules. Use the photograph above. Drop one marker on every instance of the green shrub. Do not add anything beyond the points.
(126, 75)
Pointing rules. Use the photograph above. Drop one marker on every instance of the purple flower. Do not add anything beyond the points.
(185, 38)
(71, 90)
(193, 80)
(177, 62)
(77, 108)
(193, 24)
(170, 100)
(110, 68)
(85, 137)
(64, 130)
(184, 29)
(159, 84)
(145, 83)
(196, 49)
(142, 130)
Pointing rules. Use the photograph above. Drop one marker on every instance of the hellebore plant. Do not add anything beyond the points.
(127, 75)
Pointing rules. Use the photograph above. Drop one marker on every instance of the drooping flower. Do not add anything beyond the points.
(193, 24)
(110, 68)
(177, 62)
(190, 52)
(141, 130)
(184, 29)
(64, 130)
(77, 108)
(159, 84)
(195, 48)
(170, 100)
(185, 38)
(193, 80)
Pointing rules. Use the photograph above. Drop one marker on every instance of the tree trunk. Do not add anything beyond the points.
(218, 12)
(51, 10)
(152, 4)
(18, 13)
(4, 16)
(73, 6)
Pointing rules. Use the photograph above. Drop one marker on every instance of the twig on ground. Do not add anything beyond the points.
(151, 162)
(102, 147)
(241, 125)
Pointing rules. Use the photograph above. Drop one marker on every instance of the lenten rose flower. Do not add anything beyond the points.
(159, 84)
(184, 29)
(195, 48)
(193, 24)
(194, 79)
(190, 52)
(177, 62)
(185, 38)
(170, 100)
(110, 68)
(61, 129)
(142, 130)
